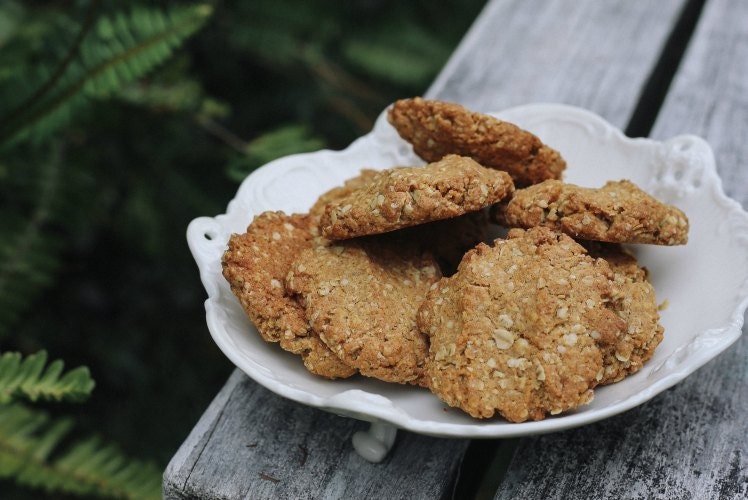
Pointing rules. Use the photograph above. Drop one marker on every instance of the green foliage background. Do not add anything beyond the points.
(159, 112)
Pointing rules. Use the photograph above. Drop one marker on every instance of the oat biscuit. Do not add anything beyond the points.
(361, 297)
(447, 240)
(255, 265)
(353, 184)
(634, 301)
(437, 128)
(618, 212)
(408, 196)
(519, 330)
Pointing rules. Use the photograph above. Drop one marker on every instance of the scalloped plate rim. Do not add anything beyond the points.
(350, 402)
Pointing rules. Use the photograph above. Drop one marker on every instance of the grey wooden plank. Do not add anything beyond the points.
(252, 444)
(709, 97)
(180, 466)
(692, 440)
(587, 53)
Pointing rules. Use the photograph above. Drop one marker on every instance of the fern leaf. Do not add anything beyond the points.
(122, 49)
(33, 379)
(181, 96)
(29, 438)
(28, 257)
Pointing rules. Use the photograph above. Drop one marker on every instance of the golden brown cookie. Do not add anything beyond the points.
(353, 184)
(255, 265)
(408, 196)
(437, 128)
(634, 301)
(447, 239)
(519, 330)
(361, 297)
(618, 212)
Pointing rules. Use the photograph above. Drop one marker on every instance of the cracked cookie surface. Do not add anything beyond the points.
(437, 128)
(618, 212)
(361, 298)
(407, 196)
(255, 265)
(520, 329)
(634, 301)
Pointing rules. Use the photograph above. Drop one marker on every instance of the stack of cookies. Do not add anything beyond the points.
(390, 275)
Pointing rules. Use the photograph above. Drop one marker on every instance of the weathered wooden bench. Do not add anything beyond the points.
(652, 68)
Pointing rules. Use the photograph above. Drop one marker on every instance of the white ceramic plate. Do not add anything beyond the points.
(705, 282)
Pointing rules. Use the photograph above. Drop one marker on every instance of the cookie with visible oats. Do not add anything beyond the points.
(339, 192)
(437, 128)
(618, 212)
(520, 329)
(361, 298)
(634, 301)
(255, 265)
(407, 196)
(447, 240)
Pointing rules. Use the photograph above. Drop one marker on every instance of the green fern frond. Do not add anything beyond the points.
(29, 438)
(131, 45)
(28, 260)
(33, 379)
(182, 96)
(121, 49)
(28, 256)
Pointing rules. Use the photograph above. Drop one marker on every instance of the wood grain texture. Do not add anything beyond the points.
(253, 444)
(709, 96)
(691, 441)
(587, 53)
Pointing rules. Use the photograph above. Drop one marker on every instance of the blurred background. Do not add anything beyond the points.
(119, 123)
